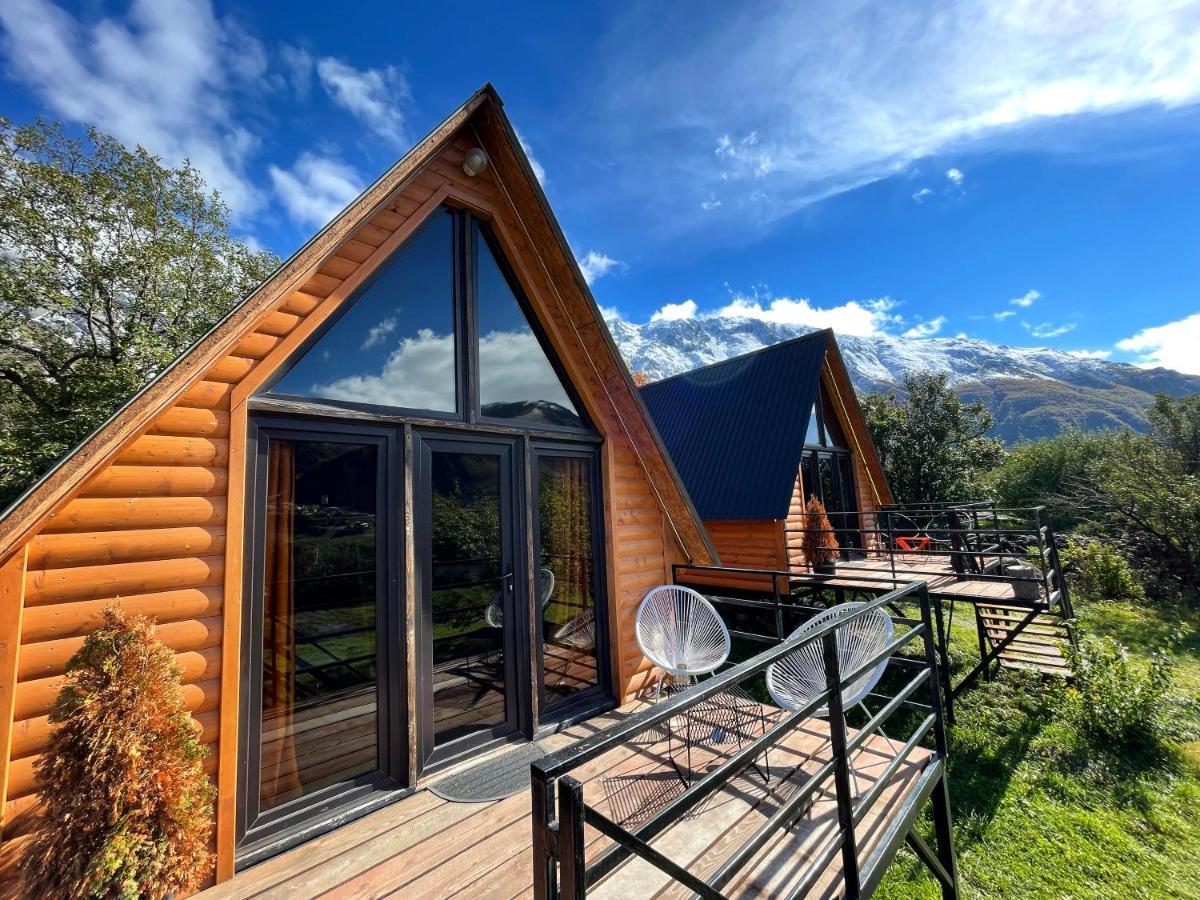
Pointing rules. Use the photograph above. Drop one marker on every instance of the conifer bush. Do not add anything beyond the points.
(127, 806)
(818, 543)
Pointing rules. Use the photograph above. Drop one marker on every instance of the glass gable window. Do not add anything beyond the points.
(814, 428)
(516, 380)
(395, 346)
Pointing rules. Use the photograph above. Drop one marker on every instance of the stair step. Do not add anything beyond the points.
(1040, 651)
(1023, 609)
(1053, 647)
(1054, 671)
(1042, 619)
(1048, 629)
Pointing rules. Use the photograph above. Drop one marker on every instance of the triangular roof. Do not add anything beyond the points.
(736, 429)
(482, 116)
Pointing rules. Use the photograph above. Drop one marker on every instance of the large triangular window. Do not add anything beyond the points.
(516, 379)
(399, 343)
(395, 345)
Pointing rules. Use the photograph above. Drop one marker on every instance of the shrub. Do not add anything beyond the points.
(1116, 701)
(817, 542)
(1100, 572)
(127, 806)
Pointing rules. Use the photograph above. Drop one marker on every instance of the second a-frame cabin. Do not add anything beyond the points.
(755, 437)
(400, 505)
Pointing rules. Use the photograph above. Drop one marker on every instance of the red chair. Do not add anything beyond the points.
(918, 543)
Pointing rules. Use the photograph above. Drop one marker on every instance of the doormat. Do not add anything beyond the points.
(495, 779)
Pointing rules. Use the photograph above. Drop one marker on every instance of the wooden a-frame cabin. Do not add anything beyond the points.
(321, 502)
(755, 436)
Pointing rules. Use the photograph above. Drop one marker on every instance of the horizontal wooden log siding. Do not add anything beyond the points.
(747, 544)
(150, 528)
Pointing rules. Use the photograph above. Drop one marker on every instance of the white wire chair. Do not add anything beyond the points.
(579, 635)
(799, 677)
(494, 614)
(679, 631)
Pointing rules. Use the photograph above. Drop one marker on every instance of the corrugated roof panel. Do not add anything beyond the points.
(735, 429)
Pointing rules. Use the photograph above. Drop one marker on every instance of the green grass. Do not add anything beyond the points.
(1040, 812)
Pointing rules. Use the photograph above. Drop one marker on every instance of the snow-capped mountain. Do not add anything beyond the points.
(1033, 392)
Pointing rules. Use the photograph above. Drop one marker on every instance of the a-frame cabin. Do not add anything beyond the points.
(755, 436)
(400, 504)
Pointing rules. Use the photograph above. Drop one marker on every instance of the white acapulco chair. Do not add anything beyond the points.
(796, 679)
(679, 631)
(494, 614)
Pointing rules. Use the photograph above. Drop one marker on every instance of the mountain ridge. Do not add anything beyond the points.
(1033, 392)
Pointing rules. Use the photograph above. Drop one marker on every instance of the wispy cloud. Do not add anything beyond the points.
(1026, 300)
(863, 318)
(165, 76)
(802, 101)
(1049, 329)
(1004, 314)
(1173, 345)
(925, 329)
(1090, 354)
(671, 312)
(955, 176)
(596, 265)
(538, 171)
(377, 334)
(316, 188)
(375, 96)
(922, 195)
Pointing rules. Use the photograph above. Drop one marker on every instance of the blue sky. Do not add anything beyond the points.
(1010, 171)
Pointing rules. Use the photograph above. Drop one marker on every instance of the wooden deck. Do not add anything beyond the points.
(875, 574)
(423, 846)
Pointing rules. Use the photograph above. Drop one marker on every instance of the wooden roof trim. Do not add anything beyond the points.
(66, 478)
(691, 534)
(852, 415)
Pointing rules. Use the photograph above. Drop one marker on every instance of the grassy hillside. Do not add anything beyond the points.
(1041, 812)
(1028, 409)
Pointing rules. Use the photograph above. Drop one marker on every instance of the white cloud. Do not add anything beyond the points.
(610, 313)
(710, 204)
(377, 334)
(538, 171)
(1090, 354)
(375, 96)
(298, 67)
(164, 77)
(596, 265)
(921, 195)
(807, 100)
(955, 176)
(671, 312)
(316, 188)
(1049, 329)
(1173, 346)
(926, 329)
(1004, 314)
(852, 317)
(1025, 300)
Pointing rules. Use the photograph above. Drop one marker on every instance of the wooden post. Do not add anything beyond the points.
(12, 604)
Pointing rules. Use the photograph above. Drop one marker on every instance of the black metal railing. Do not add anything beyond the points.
(561, 868)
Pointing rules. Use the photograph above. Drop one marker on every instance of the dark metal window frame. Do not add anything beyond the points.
(261, 833)
(599, 693)
(467, 228)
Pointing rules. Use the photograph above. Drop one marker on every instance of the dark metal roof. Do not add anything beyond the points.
(735, 429)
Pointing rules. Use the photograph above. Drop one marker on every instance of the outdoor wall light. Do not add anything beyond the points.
(476, 161)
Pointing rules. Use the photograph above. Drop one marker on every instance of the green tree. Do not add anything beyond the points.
(1042, 472)
(933, 446)
(111, 264)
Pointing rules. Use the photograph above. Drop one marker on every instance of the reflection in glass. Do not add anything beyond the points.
(566, 587)
(468, 594)
(319, 723)
(814, 430)
(395, 345)
(516, 380)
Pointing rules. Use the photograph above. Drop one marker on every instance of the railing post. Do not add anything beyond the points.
(778, 609)
(841, 765)
(572, 871)
(943, 649)
(545, 887)
(1043, 558)
(943, 826)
